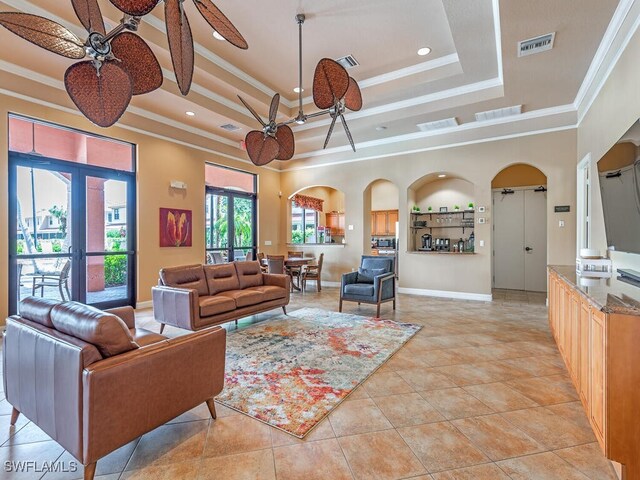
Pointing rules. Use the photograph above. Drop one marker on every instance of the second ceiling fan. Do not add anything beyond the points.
(334, 91)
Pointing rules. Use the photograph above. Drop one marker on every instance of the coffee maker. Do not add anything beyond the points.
(426, 241)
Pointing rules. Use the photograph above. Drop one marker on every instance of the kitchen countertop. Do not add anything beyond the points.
(609, 294)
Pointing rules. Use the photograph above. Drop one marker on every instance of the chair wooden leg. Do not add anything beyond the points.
(340, 307)
(212, 408)
(394, 303)
(284, 309)
(319, 284)
(162, 325)
(90, 471)
(378, 312)
(15, 413)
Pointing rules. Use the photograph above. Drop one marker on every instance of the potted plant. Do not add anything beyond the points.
(456, 208)
(471, 205)
(430, 209)
(416, 208)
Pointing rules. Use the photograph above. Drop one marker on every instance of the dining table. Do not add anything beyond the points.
(295, 263)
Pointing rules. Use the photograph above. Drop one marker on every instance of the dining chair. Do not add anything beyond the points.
(313, 272)
(275, 264)
(261, 259)
(295, 272)
(58, 279)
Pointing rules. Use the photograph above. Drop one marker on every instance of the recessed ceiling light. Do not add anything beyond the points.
(217, 36)
(424, 51)
(190, 114)
(442, 175)
(297, 90)
(381, 128)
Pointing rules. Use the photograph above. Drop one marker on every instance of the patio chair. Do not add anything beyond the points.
(216, 258)
(56, 279)
(374, 282)
(313, 272)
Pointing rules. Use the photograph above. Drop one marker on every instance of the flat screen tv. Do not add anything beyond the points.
(619, 175)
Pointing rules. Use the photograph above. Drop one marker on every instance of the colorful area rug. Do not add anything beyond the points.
(290, 372)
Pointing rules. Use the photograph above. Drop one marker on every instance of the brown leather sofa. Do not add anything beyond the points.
(194, 297)
(94, 382)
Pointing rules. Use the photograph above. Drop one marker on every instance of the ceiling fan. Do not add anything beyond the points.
(334, 91)
(120, 63)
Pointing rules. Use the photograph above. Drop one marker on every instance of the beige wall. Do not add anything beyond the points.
(613, 112)
(553, 153)
(158, 162)
(384, 196)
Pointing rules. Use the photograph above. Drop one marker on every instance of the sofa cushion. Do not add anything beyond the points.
(107, 332)
(38, 310)
(221, 278)
(244, 298)
(210, 306)
(270, 292)
(361, 289)
(188, 276)
(249, 274)
(144, 337)
(367, 275)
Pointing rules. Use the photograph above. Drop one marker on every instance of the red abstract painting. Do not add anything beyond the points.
(175, 228)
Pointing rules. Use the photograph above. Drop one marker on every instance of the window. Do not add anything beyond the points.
(230, 213)
(584, 203)
(304, 225)
(116, 214)
(109, 217)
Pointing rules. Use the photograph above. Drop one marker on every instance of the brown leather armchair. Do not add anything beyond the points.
(94, 382)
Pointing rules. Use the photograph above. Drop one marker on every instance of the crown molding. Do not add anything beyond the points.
(412, 102)
(434, 148)
(603, 59)
(534, 114)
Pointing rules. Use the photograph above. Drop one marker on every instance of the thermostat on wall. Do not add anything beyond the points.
(482, 210)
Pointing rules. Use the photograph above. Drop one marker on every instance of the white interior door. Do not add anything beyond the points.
(508, 240)
(535, 241)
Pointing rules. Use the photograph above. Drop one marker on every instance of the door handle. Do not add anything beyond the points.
(528, 249)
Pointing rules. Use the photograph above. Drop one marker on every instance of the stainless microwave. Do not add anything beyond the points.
(386, 242)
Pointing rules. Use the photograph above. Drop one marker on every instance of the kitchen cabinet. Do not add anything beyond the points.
(383, 222)
(335, 221)
(597, 333)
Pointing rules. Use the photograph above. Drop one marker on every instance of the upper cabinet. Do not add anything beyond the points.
(335, 221)
(383, 222)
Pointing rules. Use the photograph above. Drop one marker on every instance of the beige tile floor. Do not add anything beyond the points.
(479, 393)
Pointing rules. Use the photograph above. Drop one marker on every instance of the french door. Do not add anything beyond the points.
(71, 232)
(231, 221)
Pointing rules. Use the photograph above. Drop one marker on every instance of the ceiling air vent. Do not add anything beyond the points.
(499, 113)
(536, 45)
(438, 124)
(230, 127)
(348, 62)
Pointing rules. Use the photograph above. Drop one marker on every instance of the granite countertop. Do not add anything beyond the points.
(609, 294)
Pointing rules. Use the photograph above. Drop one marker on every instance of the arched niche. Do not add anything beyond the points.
(380, 195)
(317, 219)
(519, 175)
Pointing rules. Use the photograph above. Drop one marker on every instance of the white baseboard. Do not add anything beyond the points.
(446, 294)
(143, 305)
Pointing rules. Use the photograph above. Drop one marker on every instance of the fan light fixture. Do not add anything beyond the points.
(119, 63)
(217, 36)
(334, 91)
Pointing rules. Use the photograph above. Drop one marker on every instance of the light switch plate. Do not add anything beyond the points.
(561, 223)
(482, 243)
(267, 243)
(350, 227)
(482, 220)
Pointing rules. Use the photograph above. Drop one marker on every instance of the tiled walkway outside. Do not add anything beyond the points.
(479, 393)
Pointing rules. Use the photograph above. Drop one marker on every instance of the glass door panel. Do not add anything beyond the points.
(243, 228)
(109, 246)
(43, 233)
(217, 228)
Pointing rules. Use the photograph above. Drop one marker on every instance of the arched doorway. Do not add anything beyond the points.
(520, 229)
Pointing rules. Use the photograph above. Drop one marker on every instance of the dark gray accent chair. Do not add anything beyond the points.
(381, 289)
